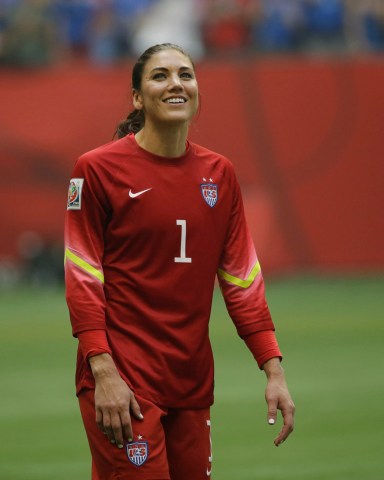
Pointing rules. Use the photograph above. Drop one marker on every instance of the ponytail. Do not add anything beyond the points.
(132, 124)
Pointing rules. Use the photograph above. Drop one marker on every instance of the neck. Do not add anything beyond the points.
(169, 141)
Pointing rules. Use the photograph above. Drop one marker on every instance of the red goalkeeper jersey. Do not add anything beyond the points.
(145, 237)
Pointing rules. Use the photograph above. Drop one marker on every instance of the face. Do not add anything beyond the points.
(169, 90)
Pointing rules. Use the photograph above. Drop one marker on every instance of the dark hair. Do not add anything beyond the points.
(136, 119)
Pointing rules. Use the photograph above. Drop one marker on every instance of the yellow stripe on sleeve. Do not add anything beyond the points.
(84, 265)
(238, 281)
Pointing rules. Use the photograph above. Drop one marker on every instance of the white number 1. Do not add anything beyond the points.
(183, 258)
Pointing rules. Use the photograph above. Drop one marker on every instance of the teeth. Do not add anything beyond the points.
(175, 100)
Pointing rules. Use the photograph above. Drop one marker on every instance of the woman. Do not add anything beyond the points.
(151, 220)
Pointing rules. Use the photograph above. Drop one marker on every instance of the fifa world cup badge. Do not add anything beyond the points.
(210, 193)
(74, 193)
(137, 452)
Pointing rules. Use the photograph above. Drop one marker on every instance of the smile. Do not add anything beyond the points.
(175, 100)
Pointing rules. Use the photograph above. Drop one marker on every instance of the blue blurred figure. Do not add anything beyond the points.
(373, 24)
(281, 25)
(73, 19)
(324, 16)
(325, 24)
(113, 26)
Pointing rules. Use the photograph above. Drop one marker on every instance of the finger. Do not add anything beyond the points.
(117, 430)
(135, 408)
(107, 425)
(272, 411)
(283, 435)
(285, 431)
(99, 421)
(126, 425)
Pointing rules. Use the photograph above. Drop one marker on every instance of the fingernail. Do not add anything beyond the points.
(130, 439)
(141, 416)
(113, 441)
(271, 421)
(120, 445)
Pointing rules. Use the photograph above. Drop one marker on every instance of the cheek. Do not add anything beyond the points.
(150, 96)
(196, 103)
(150, 103)
(195, 98)
(195, 107)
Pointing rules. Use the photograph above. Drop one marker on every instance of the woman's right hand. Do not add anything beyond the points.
(114, 401)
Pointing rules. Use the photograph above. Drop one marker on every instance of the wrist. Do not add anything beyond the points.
(102, 366)
(273, 368)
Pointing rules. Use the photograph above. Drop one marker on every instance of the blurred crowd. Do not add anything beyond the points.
(37, 32)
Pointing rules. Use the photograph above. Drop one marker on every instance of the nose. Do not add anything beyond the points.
(175, 82)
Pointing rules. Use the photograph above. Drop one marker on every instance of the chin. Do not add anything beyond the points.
(177, 119)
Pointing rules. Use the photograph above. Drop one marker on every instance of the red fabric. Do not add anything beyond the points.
(338, 108)
(227, 33)
(93, 342)
(227, 26)
(177, 441)
(146, 265)
(263, 346)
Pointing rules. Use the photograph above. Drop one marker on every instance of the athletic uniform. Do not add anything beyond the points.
(145, 237)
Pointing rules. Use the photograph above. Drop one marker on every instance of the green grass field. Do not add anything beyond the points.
(330, 330)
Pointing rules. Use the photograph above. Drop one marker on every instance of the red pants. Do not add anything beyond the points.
(169, 444)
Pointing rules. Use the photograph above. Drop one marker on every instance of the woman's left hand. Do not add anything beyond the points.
(278, 398)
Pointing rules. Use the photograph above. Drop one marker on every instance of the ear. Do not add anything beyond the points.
(137, 99)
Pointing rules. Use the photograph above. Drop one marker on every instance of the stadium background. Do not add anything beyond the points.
(292, 93)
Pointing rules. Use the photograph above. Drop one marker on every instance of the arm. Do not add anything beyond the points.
(242, 285)
(86, 219)
(278, 398)
(239, 273)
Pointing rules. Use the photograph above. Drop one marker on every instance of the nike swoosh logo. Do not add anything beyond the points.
(209, 472)
(137, 194)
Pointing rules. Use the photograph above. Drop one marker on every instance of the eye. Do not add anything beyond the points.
(186, 75)
(159, 76)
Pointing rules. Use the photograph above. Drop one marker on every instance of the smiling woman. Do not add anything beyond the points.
(153, 219)
(163, 76)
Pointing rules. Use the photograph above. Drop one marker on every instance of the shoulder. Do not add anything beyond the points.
(216, 162)
(211, 156)
(107, 155)
(104, 162)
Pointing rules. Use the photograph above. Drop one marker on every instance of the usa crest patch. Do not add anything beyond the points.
(137, 452)
(210, 193)
(74, 193)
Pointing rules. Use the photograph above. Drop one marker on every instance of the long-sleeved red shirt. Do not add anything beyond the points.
(145, 237)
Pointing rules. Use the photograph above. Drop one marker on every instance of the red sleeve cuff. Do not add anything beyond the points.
(263, 346)
(93, 342)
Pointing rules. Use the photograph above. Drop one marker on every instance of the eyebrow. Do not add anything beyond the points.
(164, 69)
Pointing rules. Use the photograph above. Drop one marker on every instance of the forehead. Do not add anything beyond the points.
(170, 59)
